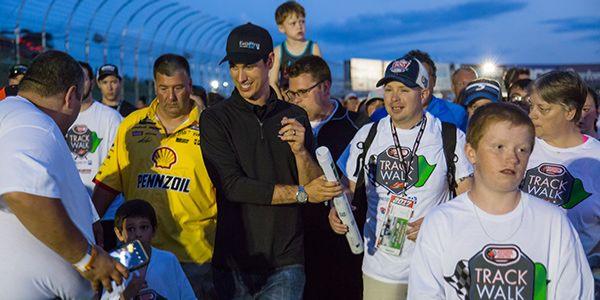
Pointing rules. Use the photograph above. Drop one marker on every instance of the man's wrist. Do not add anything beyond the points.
(86, 262)
(301, 153)
(301, 195)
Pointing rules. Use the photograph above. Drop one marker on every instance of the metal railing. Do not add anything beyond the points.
(131, 29)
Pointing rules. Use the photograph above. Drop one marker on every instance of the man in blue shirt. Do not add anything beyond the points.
(440, 108)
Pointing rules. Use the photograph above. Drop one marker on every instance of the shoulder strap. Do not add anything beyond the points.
(360, 163)
(309, 49)
(449, 145)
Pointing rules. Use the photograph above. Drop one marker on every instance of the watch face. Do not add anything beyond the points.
(301, 196)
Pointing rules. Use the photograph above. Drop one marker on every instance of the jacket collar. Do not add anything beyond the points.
(192, 119)
(241, 103)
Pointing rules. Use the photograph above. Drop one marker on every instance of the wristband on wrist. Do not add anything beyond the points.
(85, 264)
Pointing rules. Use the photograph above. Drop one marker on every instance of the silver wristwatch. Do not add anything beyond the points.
(301, 195)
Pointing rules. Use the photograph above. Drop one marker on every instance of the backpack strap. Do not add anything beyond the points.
(359, 200)
(360, 163)
(449, 145)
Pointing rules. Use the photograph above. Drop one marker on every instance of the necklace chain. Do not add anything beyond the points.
(512, 234)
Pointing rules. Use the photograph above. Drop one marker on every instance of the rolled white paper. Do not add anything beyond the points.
(341, 204)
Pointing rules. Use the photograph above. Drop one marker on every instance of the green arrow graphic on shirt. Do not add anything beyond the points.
(95, 142)
(578, 194)
(540, 284)
(425, 170)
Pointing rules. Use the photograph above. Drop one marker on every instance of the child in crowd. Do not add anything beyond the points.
(163, 276)
(497, 242)
(290, 17)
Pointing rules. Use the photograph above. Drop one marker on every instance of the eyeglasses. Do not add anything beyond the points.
(301, 93)
(518, 98)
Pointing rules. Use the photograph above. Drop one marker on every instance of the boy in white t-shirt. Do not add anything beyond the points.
(414, 181)
(163, 277)
(496, 242)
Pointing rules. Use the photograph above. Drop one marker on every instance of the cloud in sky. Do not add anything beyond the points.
(371, 27)
(589, 27)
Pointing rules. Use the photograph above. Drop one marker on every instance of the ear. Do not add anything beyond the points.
(326, 86)
(471, 153)
(270, 60)
(570, 113)
(190, 83)
(424, 95)
(281, 28)
(432, 81)
(72, 97)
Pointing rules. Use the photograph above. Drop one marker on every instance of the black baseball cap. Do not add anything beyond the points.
(17, 70)
(407, 70)
(107, 70)
(248, 44)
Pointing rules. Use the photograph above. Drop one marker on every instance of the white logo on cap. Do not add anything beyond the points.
(400, 66)
(249, 45)
(108, 68)
(482, 86)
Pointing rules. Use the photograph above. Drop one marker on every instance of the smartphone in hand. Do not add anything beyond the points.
(131, 255)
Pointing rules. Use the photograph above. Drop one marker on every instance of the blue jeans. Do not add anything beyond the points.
(282, 283)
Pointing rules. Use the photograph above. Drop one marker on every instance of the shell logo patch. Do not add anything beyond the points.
(164, 157)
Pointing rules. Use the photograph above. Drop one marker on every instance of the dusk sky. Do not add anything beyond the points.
(507, 32)
(512, 32)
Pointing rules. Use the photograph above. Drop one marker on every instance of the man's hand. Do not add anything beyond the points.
(336, 224)
(320, 190)
(104, 270)
(413, 229)
(292, 132)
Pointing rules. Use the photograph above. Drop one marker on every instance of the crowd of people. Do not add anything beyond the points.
(491, 195)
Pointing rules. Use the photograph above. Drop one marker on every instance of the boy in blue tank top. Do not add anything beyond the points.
(290, 17)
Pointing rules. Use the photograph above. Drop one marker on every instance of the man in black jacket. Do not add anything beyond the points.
(258, 153)
(334, 273)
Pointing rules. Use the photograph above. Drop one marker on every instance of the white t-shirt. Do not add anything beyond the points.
(90, 137)
(569, 177)
(164, 277)
(427, 181)
(35, 159)
(463, 250)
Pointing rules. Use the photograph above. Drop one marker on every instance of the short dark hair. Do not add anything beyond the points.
(199, 91)
(286, 9)
(52, 73)
(135, 208)
(493, 113)
(169, 64)
(512, 74)
(313, 65)
(562, 87)
(88, 69)
(521, 83)
(424, 58)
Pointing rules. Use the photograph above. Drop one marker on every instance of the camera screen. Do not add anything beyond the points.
(130, 255)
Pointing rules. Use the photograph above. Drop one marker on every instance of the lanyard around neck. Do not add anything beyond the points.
(405, 164)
